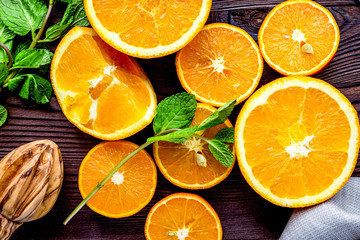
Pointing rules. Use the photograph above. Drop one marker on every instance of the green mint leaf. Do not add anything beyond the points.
(22, 16)
(25, 89)
(32, 58)
(179, 136)
(225, 135)
(3, 55)
(41, 90)
(3, 115)
(5, 33)
(176, 111)
(219, 116)
(22, 46)
(75, 14)
(15, 82)
(3, 73)
(33, 87)
(55, 31)
(221, 152)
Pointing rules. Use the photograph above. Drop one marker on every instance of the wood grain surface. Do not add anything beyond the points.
(243, 213)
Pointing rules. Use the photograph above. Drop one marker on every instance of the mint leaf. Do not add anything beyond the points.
(3, 55)
(22, 16)
(3, 73)
(15, 82)
(74, 16)
(221, 152)
(176, 111)
(179, 136)
(32, 58)
(5, 33)
(225, 135)
(33, 86)
(55, 31)
(41, 90)
(3, 115)
(219, 116)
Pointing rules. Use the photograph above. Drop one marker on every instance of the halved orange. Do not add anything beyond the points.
(129, 190)
(222, 63)
(100, 90)
(149, 28)
(297, 141)
(299, 37)
(191, 165)
(183, 216)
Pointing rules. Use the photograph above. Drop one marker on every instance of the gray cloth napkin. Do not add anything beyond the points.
(337, 218)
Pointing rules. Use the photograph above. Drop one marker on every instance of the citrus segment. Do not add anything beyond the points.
(100, 90)
(297, 141)
(147, 28)
(129, 190)
(222, 63)
(191, 165)
(183, 216)
(299, 37)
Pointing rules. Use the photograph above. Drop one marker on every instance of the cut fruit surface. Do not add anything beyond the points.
(100, 90)
(191, 165)
(129, 190)
(222, 63)
(297, 141)
(298, 37)
(149, 28)
(183, 216)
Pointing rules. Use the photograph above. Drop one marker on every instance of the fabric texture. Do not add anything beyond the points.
(337, 218)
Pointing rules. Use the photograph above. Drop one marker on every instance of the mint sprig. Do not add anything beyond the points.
(172, 122)
(23, 22)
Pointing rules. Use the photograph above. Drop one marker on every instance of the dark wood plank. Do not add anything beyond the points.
(243, 213)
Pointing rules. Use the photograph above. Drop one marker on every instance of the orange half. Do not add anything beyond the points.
(100, 90)
(297, 141)
(222, 63)
(150, 28)
(129, 190)
(183, 216)
(299, 37)
(191, 165)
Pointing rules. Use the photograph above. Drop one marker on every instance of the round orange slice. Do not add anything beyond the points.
(183, 216)
(222, 63)
(149, 28)
(129, 190)
(101, 91)
(297, 141)
(191, 165)
(299, 37)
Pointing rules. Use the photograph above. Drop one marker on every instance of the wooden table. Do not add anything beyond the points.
(243, 213)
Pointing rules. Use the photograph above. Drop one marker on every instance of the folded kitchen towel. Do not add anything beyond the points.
(337, 218)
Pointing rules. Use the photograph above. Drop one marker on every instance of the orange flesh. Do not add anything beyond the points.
(183, 213)
(180, 163)
(289, 117)
(148, 23)
(126, 198)
(227, 47)
(284, 51)
(107, 88)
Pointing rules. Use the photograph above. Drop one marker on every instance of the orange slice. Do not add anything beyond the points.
(222, 63)
(183, 216)
(149, 28)
(299, 37)
(297, 141)
(129, 190)
(100, 90)
(191, 165)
